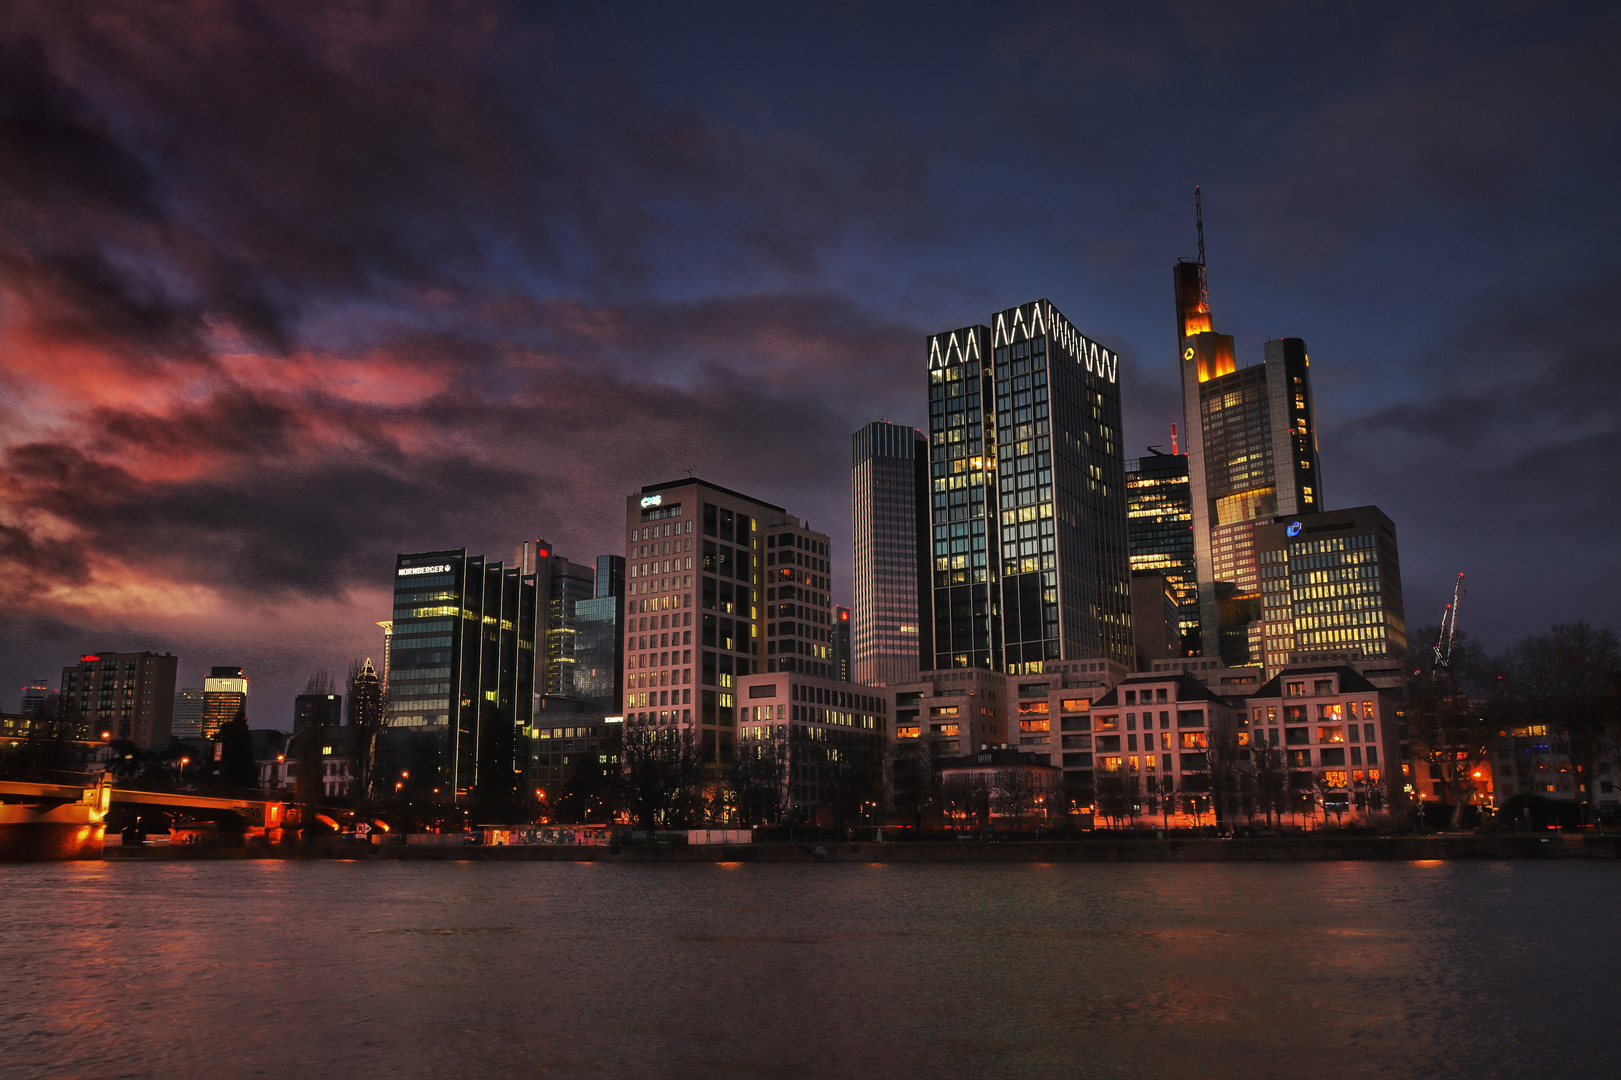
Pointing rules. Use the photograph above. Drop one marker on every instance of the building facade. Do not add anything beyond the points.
(225, 696)
(719, 586)
(1252, 456)
(1027, 502)
(324, 712)
(463, 656)
(890, 620)
(827, 738)
(1159, 522)
(121, 696)
(1330, 581)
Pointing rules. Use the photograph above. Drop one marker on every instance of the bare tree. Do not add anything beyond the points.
(661, 774)
(1269, 768)
(758, 778)
(1450, 733)
(1017, 791)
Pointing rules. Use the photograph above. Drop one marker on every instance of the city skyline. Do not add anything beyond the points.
(220, 428)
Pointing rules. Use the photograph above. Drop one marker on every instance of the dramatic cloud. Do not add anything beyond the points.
(288, 288)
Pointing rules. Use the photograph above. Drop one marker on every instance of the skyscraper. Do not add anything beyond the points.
(889, 484)
(464, 665)
(126, 695)
(561, 585)
(225, 694)
(1159, 509)
(188, 713)
(321, 711)
(843, 661)
(1330, 583)
(1027, 504)
(698, 549)
(599, 668)
(1252, 455)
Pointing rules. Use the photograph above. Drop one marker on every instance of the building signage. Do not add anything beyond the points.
(1293, 529)
(652, 500)
(408, 571)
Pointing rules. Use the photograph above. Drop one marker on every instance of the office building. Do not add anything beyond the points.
(1159, 528)
(121, 696)
(463, 667)
(188, 713)
(324, 712)
(388, 649)
(599, 656)
(366, 698)
(561, 586)
(1252, 456)
(843, 663)
(890, 620)
(34, 697)
(718, 586)
(1155, 619)
(225, 696)
(827, 739)
(1027, 503)
(1330, 581)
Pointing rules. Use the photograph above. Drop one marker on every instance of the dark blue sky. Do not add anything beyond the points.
(285, 289)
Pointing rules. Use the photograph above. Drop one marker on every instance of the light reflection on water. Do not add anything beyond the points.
(276, 968)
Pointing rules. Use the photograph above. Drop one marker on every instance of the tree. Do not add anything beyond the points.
(1115, 798)
(758, 778)
(661, 774)
(852, 773)
(1567, 679)
(1449, 733)
(915, 783)
(1017, 790)
(1270, 770)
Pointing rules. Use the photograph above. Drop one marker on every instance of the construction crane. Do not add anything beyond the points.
(1449, 628)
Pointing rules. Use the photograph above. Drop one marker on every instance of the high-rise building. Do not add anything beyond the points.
(225, 694)
(843, 662)
(34, 696)
(188, 713)
(1028, 495)
(1330, 583)
(561, 586)
(121, 696)
(1252, 455)
(366, 698)
(321, 711)
(599, 668)
(699, 557)
(1159, 525)
(464, 666)
(889, 486)
(388, 649)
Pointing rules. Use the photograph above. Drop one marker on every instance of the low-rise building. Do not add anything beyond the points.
(1002, 787)
(828, 739)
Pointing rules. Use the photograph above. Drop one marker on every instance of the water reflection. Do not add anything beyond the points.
(564, 969)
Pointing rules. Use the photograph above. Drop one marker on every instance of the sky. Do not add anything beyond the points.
(287, 288)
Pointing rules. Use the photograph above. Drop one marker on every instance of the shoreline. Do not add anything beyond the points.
(1314, 849)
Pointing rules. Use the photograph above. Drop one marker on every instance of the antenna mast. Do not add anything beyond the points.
(1198, 221)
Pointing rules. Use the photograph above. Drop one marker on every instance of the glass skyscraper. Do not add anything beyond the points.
(1252, 455)
(599, 662)
(889, 480)
(463, 665)
(1027, 503)
(1159, 508)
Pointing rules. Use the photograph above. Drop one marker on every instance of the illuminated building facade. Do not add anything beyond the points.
(1331, 735)
(1159, 524)
(826, 735)
(1027, 502)
(464, 664)
(1330, 581)
(126, 695)
(561, 586)
(719, 586)
(1252, 456)
(225, 695)
(889, 483)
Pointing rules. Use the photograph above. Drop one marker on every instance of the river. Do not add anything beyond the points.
(286, 968)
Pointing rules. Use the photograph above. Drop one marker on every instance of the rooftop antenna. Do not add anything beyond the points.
(689, 473)
(1198, 221)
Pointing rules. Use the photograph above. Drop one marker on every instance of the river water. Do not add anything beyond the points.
(335, 969)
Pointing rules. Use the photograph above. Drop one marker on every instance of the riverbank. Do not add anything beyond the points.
(1284, 849)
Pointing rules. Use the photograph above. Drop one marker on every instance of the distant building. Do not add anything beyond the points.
(121, 696)
(599, 655)
(1159, 524)
(188, 713)
(568, 730)
(225, 694)
(952, 712)
(322, 711)
(828, 736)
(366, 698)
(889, 488)
(1002, 787)
(561, 586)
(34, 696)
(842, 663)
(1155, 618)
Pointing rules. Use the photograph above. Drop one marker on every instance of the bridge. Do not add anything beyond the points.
(68, 820)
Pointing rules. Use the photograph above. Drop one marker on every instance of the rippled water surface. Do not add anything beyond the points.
(330, 969)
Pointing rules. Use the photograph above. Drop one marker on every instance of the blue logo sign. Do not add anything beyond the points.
(1293, 529)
